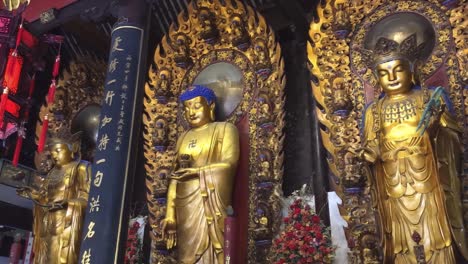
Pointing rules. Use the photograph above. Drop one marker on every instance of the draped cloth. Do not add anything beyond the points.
(417, 188)
(201, 203)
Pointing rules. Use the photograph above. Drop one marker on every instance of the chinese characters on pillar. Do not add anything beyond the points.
(114, 138)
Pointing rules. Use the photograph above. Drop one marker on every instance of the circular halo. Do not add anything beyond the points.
(245, 82)
(226, 80)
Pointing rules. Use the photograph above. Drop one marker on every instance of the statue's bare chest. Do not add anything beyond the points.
(196, 142)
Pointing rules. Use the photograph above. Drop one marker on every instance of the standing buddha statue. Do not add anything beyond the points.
(201, 184)
(60, 203)
(413, 144)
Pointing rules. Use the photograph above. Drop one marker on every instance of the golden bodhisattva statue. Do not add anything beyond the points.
(413, 142)
(200, 188)
(61, 201)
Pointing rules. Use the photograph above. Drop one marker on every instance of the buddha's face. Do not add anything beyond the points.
(395, 76)
(61, 154)
(198, 112)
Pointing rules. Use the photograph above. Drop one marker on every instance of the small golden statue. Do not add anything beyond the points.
(239, 35)
(201, 184)
(208, 30)
(60, 203)
(413, 143)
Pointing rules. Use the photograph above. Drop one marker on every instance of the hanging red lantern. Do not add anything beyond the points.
(43, 135)
(12, 108)
(13, 71)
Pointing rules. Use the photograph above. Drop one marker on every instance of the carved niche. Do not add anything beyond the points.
(228, 47)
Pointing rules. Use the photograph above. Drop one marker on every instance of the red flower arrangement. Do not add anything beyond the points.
(305, 239)
(134, 252)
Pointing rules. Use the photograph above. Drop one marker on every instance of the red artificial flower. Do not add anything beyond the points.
(319, 236)
(316, 219)
(302, 235)
(292, 244)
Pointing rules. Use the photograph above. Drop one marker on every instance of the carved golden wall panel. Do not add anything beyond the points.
(209, 33)
(343, 86)
(81, 85)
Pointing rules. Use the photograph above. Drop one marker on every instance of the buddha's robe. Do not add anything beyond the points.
(201, 202)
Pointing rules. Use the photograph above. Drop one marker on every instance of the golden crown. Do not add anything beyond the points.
(387, 49)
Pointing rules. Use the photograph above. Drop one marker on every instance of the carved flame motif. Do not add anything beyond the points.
(82, 84)
(210, 32)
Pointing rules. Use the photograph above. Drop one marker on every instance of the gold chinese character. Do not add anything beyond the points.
(103, 142)
(94, 204)
(98, 178)
(86, 257)
(90, 232)
(105, 120)
(115, 46)
(113, 65)
(109, 96)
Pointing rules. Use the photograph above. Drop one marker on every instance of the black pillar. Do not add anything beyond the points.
(106, 222)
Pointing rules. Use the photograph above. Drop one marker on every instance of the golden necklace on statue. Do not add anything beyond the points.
(399, 111)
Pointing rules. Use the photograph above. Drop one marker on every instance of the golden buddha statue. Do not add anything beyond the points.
(60, 203)
(413, 143)
(201, 184)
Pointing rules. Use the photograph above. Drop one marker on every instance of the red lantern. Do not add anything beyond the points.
(13, 71)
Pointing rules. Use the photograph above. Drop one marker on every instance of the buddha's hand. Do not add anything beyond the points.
(58, 206)
(185, 174)
(23, 192)
(29, 192)
(364, 153)
(169, 232)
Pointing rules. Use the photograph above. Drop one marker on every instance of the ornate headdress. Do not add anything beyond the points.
(387, 49)
(64, 136)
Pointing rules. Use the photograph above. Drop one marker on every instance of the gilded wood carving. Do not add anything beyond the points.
(81, 85)
(207, 34)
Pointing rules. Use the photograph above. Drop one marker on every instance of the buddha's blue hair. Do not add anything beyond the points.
(198, 90)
